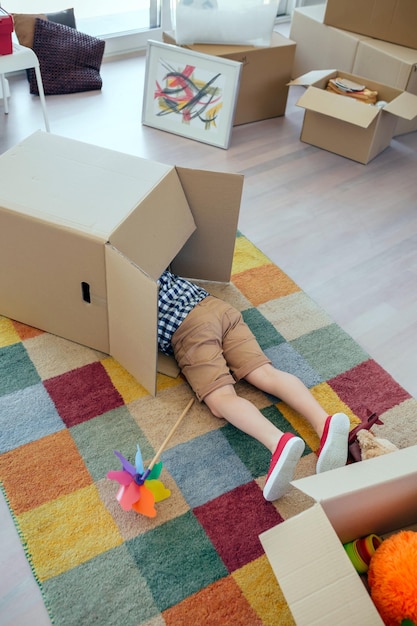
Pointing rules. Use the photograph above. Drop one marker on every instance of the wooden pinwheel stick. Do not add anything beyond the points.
(168, 437)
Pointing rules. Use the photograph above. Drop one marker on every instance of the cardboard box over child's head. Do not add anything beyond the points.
(85, 233)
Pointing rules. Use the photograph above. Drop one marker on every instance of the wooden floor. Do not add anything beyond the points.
(345, 232)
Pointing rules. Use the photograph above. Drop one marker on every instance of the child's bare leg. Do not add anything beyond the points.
(224, 402)
(332, 430)
(286, 449)
(292, 391)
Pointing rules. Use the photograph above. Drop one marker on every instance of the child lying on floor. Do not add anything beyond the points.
(214, 348)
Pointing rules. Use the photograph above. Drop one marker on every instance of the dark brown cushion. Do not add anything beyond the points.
(69, 61)
(24, 23)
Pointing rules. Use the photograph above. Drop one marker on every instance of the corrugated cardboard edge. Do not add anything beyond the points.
(341, 108)
(313, 569)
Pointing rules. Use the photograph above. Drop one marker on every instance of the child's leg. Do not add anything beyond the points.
(286, 449)
(224, 402)
(292, 391)
(333, 430)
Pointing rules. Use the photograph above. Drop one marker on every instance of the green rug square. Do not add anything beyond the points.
(177, 559)
(330, 351)
(266, 334)
(253, 454)
(16, 369)
(107, 590)
(97, 439)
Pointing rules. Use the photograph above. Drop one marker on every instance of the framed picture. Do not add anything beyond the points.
(190, 94)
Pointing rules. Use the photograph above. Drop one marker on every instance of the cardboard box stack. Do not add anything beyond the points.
(266, 71)
(85, 239)
(389, 20)
(320, 584)
(323, 46)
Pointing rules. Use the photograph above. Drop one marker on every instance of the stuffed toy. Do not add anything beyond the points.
(366, 424)
(392, 579)
(372, 446)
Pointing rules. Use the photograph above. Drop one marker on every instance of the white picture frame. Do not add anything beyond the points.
(190, 94)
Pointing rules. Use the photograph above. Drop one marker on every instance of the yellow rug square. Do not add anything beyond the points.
(270, 605)
(66, 532)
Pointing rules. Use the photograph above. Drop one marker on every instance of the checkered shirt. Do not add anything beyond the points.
(177, 297)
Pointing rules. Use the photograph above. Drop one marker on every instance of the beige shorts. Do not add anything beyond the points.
(214, 347)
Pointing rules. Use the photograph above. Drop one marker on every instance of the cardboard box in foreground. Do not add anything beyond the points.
(266, 71)
(342, 125)
(85, 233)
(306, 553)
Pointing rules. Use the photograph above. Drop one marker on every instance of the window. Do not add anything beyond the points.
(126, 25)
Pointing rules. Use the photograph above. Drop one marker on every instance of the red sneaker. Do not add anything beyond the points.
(333, 451)
(286, 456)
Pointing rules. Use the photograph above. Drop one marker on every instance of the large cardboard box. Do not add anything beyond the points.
(263, 88)
(390, 64)
(85, 233)
(320, 46)
(389, 20)
(345, 126)
(306, 553)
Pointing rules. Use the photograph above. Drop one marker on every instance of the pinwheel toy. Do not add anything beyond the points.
(139, 488)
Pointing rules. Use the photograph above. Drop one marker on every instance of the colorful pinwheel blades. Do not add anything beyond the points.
(139, 490)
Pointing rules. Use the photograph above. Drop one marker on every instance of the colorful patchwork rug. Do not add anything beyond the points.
(65, 408)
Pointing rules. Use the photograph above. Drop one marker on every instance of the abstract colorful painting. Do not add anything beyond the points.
(190, 94)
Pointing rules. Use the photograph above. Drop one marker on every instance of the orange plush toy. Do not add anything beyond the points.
(392, 578)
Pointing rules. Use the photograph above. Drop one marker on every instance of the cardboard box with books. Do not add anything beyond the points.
(86, 232)
(319, 581)
(347, 118)
(263, 88)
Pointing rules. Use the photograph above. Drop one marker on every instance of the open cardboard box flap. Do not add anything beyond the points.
(315, 573)
(339, 107)
(152, 236)
(383, 489)
(404, 106)
(214, 199)
(306, 552)
(311, 78)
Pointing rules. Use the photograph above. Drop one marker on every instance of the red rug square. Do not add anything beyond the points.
(368, 386)
(234, 521)
(83, 393)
